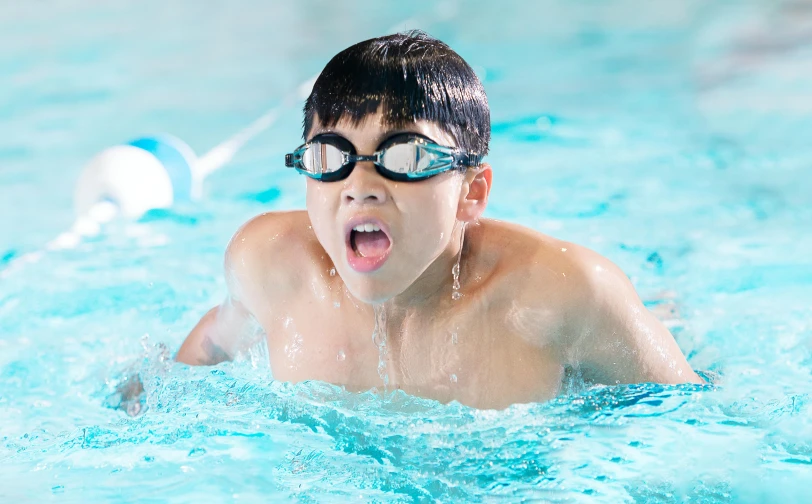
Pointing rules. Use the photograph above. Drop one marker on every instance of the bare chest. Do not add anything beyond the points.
(481, 358)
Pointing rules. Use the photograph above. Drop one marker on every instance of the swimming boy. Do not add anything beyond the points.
(393, 264)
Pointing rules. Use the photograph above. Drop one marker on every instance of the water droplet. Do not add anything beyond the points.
(455, 270)
(340, 357)
(336, 304)
(332, 272)
(453, 338)
(453, 378)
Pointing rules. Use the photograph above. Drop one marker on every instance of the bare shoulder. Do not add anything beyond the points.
(530, 275)
(542, 272)
(578, 300)
(535, 256)
(523, 256)
(271, 249)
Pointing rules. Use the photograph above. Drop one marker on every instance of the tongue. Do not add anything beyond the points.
(371, 244)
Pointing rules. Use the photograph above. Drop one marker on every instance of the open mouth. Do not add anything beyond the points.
(369, 246)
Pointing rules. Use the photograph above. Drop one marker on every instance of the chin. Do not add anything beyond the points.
(375, 288)
(370, 292)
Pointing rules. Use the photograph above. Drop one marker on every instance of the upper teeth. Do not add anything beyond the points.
(366, 228)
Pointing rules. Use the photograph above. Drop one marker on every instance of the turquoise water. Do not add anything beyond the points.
(673, 139)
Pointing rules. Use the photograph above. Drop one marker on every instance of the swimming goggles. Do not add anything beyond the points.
(404, 157)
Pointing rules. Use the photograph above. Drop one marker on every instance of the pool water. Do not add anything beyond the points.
(672, 138)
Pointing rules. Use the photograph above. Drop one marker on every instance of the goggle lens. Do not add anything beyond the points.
(321, 158)
(408, 158)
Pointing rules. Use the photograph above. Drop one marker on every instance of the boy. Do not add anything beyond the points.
(392, 277)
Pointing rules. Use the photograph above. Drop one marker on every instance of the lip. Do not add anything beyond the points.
(365, 264)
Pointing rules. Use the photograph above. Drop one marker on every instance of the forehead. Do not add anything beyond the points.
(373, 129)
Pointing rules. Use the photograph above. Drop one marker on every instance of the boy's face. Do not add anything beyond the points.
(416, 219)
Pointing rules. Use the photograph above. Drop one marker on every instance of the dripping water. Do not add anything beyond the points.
(455, 271)
(379, 338)
(336, 296)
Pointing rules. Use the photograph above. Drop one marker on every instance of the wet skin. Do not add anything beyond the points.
(531, 305)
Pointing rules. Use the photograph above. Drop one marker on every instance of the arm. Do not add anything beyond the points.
(231, 327)
(617, 339)
(221, 333)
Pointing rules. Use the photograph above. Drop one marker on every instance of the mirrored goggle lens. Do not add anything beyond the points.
(322, 158)
(412, 158)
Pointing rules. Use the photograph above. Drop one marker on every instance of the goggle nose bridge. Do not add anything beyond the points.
(356, 158)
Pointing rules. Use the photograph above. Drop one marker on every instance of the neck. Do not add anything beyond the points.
(430, 293)
(435, 287)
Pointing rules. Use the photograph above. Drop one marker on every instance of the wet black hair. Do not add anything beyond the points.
(412, 76)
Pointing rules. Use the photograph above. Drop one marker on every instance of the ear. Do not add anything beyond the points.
(474, 192)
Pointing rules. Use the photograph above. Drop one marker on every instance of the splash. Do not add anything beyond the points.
(379, 338)
(455, 271)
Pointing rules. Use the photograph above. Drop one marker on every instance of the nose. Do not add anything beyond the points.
(364, 186)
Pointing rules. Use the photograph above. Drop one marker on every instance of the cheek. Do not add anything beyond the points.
(433, 215)
(443, 202)
(319, 208)
(323, 196)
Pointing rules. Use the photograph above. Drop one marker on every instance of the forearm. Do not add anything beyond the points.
(200, 347)
(221, 333)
